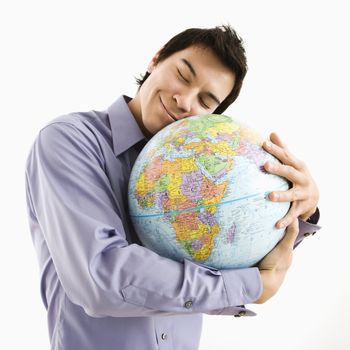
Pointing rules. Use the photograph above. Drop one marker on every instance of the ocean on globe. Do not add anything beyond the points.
(198, 190)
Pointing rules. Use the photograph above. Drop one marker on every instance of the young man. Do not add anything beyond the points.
(101, 287)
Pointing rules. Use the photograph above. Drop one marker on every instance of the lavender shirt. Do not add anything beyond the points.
(102, 289)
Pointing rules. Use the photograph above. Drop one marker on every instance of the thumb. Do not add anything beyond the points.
(291, 234)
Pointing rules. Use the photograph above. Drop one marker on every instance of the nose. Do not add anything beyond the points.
(184, 102)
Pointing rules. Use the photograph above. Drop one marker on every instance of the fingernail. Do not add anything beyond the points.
(274, 196)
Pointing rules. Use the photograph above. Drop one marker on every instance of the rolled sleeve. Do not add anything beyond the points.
(243, 286)
(308, 227)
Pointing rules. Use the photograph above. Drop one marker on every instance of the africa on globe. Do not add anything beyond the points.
(198, 190)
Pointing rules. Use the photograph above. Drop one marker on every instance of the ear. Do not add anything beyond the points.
(153, 62)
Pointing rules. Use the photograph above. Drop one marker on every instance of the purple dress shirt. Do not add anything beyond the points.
(102, 289)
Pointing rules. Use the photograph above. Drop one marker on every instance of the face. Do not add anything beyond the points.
(190, 82)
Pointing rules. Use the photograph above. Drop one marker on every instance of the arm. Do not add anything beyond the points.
(73, 201)
(300, 220)
(274, 266)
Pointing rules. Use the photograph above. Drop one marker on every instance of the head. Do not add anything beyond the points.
(198, 71)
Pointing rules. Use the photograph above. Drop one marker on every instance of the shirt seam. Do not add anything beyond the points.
(99, 156)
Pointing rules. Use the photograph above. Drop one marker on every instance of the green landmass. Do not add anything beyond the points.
(211, 163)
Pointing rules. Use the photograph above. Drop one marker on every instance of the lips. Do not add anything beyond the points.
(169, 113)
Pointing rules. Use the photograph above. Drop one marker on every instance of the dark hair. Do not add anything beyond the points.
(224, 42)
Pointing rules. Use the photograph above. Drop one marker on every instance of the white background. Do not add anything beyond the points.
(63, 56)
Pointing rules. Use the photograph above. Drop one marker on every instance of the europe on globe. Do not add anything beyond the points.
(198, 190)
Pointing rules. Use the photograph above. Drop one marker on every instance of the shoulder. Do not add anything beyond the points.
(70, 134)
(89, 127)
(69, 122)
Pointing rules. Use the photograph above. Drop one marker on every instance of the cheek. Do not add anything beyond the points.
(146, 93)
(159, 82)
(168, 82)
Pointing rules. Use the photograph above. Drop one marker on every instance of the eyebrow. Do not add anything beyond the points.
(190, 67)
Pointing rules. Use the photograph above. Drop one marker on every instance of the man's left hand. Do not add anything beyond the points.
(303, 194)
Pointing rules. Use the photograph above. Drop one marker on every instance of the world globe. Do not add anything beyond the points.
(198, 190)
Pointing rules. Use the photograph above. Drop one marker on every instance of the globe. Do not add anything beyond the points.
(198, 190)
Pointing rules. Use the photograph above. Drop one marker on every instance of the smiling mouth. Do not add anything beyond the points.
(169, 114)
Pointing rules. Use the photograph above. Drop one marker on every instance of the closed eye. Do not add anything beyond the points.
(203, 104)
(181, 76)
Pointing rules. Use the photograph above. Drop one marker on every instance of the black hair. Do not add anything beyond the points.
(223, 41)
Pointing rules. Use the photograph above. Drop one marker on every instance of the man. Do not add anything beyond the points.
(101, 287)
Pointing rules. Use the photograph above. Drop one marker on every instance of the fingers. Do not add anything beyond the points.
(276, 140)
(296, 210)
(303, 193)
(291, 216)
(280, 151)
(292, 195)
(287, 171)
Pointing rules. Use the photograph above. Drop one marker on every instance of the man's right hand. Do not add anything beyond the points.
(273, 267)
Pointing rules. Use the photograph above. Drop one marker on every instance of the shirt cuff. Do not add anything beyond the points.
(308, 227)
(243, 286)
(236, 311)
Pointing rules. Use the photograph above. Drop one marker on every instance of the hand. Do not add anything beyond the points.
(274, 266)
(303, 194)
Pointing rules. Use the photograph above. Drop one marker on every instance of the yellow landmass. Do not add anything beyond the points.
(196, 146)
(251, 136)
(223, 128)
(142, 186)
(222, 148)
(188, 228)
(211, 210)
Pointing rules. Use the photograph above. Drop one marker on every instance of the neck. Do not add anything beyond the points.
(135, 108)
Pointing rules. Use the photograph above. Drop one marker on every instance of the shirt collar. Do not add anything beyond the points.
(125, 130)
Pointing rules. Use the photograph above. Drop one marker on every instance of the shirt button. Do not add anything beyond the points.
(306, 234)
(164, 336)
(241, 313)
(188, 304)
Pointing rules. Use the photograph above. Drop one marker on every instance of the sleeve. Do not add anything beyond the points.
(78, 214)
(308, 227)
